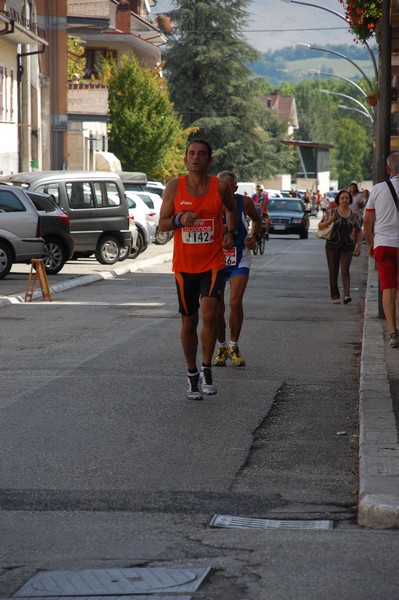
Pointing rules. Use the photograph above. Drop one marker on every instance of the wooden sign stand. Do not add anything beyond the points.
(40, 273)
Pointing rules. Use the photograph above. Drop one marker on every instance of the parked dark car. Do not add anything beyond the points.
(288, 216)
(55, 229)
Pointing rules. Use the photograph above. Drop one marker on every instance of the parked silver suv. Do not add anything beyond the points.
(20, 239)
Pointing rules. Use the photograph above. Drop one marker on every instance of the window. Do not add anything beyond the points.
(11, 112)
(112, 194)
(94, 58)
(51, 188)
(10, 203)
(79, 194)
(2, 86)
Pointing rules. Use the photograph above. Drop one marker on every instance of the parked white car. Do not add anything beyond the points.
(154, 202)
(156, 187)
(143, 218)
(273, 193)
(134, 247)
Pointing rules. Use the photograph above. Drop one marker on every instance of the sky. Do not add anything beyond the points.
(276, 24)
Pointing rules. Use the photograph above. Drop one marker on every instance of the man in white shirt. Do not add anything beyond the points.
(381, 229)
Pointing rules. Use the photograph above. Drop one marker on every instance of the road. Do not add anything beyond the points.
(106, 464)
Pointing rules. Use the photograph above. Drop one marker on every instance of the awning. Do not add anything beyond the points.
(107, 161)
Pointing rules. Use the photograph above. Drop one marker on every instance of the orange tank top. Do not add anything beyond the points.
(199, 248)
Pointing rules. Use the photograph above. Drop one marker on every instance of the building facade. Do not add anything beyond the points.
(48, 121)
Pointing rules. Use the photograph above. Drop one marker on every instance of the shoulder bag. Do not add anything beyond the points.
(325, 234)
(393, 192)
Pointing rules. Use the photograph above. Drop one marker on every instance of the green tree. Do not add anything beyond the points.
(76, 60)
(143, 126)
(213, 89)
(351, 141)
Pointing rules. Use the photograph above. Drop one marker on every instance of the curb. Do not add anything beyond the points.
(87, 279)
(378, 445)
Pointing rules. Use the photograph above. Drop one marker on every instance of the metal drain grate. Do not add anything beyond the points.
(245, 523)
(113, 582)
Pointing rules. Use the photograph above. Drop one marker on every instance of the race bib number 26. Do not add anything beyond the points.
(202, 232)
(230, 257)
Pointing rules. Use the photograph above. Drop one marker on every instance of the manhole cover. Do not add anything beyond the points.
(112, 582)
(245, 523)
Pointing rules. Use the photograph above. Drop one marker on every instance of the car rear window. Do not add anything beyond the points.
(277, 205)
(9, 202)
(42, 203)
(147, 200)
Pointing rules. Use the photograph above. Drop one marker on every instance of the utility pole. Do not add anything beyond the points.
(384, 105)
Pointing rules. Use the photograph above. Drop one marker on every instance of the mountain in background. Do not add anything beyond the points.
(296, 64)
(276, 24)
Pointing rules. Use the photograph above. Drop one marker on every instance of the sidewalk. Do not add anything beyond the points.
(378, 448)
(379, 390)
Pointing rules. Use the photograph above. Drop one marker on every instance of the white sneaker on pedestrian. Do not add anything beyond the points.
(194, 390)
(206, 382)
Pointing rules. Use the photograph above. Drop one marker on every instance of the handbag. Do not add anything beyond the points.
(325, 234)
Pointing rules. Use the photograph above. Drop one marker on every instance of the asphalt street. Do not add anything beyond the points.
(106, 464)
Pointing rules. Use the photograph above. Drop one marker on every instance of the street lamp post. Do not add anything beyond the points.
(309, 47)
(318, 73)
(364, 109)
(365, 114)
(341, 16)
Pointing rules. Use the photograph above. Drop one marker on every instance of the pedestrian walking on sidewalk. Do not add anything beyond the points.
(381, 229)
(193, 207)
(236, 273)
(344, 243)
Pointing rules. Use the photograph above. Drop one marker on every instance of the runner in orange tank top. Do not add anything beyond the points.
(193, 208)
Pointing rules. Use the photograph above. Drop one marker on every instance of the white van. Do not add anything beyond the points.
(246, 186)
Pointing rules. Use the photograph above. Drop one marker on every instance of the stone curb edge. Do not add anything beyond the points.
(87, 279)
(378, 445)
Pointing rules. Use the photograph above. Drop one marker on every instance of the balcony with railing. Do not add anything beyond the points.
(87, 99)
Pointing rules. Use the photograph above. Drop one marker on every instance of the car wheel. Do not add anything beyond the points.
(161, 237)
(125, 252)
(108, 250)
(140, 246)
(5, 260)
(54, 256)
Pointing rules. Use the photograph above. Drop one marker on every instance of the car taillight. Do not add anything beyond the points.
(151, 214)
(65, 218)
(130, 217)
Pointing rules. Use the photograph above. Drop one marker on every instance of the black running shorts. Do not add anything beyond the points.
(193, 286)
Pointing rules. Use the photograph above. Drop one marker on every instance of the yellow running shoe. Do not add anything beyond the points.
(221, 357)
(236, 357)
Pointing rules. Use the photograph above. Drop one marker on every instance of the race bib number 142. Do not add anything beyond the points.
(202, 232)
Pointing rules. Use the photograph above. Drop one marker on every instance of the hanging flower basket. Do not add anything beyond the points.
(164, 23)
(363, 16)
(372, 99)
